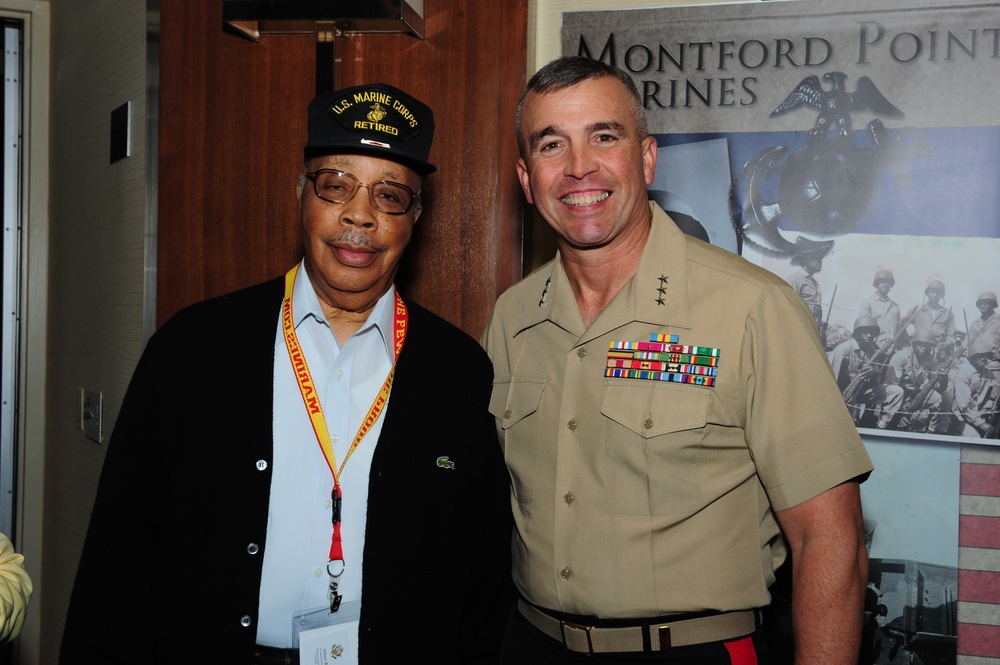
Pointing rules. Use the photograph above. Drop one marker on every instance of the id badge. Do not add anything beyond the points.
(327, 639)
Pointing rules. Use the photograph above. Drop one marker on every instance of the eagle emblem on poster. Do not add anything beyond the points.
(824, 187)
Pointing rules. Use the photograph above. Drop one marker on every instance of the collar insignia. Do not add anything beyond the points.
(545, 292)
(661, 289)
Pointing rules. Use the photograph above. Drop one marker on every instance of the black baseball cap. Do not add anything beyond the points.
(375, 119)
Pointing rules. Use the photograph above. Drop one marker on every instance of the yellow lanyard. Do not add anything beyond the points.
(311, 399)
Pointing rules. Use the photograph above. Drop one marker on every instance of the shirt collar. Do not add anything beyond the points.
(306, 306)
(660, 286)
(657, 294)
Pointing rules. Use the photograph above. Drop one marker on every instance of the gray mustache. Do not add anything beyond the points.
(353, 237)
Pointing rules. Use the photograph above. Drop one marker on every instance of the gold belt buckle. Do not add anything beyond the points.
(586, 629)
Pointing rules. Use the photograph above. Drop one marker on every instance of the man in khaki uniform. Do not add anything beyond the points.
(670, 422)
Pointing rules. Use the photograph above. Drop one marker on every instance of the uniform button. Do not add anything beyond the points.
(648, 423)
(327, 503)
(581, 353)
(571, 425)
(340, 373)
(318, 572)
(565, 573)
(506, 414)
(335, 438)
(253, 548)
(245, 621)
(261, 464)
(568, 498)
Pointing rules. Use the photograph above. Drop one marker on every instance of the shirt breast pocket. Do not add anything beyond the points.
(653, 435)
(513, 403)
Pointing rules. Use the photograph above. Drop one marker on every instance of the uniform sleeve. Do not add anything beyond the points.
(800, 434)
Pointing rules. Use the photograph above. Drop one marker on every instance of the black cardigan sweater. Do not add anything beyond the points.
(168, 574)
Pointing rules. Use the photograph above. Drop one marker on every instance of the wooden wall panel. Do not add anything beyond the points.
(231, 131)
(233, 125)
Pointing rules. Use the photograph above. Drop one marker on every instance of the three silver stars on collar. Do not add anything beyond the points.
(662, 290)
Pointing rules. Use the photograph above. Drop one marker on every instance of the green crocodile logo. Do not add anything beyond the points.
(445, 463)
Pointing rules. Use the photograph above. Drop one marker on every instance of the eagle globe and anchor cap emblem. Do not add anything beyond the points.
(377, 113)
(824, 187)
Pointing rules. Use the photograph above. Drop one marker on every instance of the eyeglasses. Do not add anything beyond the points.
(392, 198)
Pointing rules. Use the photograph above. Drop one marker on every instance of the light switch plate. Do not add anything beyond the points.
(92, 414)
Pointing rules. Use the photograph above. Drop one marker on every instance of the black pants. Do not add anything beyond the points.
(523, 644)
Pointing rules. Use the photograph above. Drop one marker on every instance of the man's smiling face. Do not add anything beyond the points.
(586, 166)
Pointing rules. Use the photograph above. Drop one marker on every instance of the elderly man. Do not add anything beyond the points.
(286, 479)
(670, 422)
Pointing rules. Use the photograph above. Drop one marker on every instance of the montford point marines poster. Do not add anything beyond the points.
(853, 149)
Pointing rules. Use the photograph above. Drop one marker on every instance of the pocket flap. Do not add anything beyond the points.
(515, 398)
(651, 408)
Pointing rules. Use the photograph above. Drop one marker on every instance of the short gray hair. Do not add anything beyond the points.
(568, 71)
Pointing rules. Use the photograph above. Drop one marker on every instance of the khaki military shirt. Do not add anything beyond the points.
(637, 498)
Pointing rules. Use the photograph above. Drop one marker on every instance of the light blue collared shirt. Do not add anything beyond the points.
(299, 523)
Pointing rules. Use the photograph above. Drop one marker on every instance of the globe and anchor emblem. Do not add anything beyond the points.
(824, 187)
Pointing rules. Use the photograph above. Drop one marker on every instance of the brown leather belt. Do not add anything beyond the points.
(628, 639)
